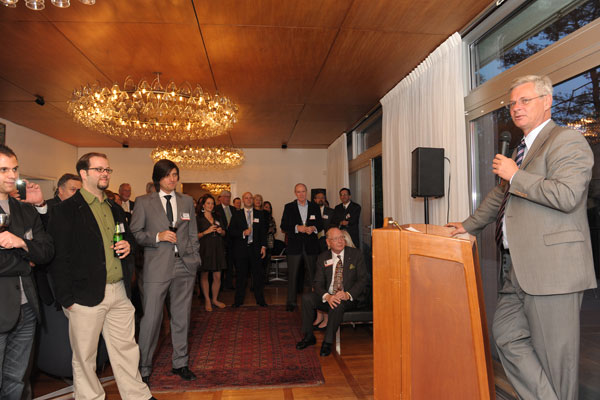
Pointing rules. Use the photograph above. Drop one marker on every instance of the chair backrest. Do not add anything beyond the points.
(278, 248)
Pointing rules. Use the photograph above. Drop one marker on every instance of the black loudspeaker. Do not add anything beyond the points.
(427, 172)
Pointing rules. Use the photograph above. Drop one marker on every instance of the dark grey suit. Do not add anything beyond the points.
(536, 325)
(164, 272)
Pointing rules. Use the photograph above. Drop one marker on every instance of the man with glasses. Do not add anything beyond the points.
(92, 281)
(340, 281)
(544, 240)
(226, 210)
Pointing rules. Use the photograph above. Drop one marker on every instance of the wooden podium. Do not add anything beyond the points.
(430, 336)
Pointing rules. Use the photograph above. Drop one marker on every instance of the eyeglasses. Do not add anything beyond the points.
(101, 170)
(523, 101)
(337, 238)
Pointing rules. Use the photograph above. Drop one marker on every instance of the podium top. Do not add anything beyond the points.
(428, 229)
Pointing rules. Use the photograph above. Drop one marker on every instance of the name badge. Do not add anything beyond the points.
(312, 217)
(347, 216)
(217, 223)
(122, 227)
(185, 216)
(256, 220)
(329, 263)
(325, 216)
(29, 234)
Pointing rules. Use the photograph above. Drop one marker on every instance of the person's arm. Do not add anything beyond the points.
(354, 219)
(193, 227)
(138, 227)
(569, 170)
(362, 280)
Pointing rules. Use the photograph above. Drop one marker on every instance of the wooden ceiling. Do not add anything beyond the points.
(301, 71)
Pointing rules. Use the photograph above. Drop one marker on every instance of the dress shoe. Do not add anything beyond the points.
(325, 349)
(307, 341)
(263, 304)
(290, 308)
(146, 380)
(184, 373)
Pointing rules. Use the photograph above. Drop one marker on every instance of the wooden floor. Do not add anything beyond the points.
(350, 375)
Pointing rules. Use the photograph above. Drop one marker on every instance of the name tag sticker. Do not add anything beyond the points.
(122, 227)
(185, 216)
(329, 263)
(312, 217)
(256, 220)
(347, 216)
(217, 223)
(325, 216)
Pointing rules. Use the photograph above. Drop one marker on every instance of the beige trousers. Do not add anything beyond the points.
(114, 317)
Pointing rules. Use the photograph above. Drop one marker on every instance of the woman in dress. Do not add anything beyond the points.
(211, 230)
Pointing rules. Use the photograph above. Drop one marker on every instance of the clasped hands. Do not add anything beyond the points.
(335, 299)
(306, 229)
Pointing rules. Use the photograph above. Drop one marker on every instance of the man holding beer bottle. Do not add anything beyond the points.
(92, 276)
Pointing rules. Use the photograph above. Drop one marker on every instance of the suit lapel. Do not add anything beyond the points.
(16, 218)
(179, 200)
(538, 143)
(158, 207)
(87, 214)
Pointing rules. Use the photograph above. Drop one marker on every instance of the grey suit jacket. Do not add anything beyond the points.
(546, 214)
(148, 219)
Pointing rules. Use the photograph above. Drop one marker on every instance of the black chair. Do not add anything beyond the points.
(278, 256)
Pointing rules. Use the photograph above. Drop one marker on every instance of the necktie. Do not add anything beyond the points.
(338, 282)
(500, 217)
(227, 214)
(169, 208)
(249, 222)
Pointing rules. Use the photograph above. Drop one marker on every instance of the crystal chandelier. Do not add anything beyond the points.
(199, 157)
(216, 188)
(152, 112)
(38, 5)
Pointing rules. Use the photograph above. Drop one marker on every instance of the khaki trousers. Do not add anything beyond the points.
(114, 317)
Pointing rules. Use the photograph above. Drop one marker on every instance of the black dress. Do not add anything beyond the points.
(212, 247)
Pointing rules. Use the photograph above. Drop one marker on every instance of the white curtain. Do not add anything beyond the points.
(337, 169)
(426, 109)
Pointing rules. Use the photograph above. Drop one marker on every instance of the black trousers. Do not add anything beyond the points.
(293, 262)
(311, 302)
(248, 260)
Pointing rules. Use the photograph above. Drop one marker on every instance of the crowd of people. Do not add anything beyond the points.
(88, 249)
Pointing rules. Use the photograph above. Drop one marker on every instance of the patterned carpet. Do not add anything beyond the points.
(241, 347)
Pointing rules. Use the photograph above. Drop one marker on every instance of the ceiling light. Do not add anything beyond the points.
(200, 157)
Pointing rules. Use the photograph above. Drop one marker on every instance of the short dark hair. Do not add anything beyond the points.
(7, 151)
(202, 200)
(67, 177)
(84, 161)
(161, 169)
(237, 198)
(349, 192)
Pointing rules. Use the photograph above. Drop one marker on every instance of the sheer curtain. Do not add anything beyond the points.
(426, 109)
(337, 169)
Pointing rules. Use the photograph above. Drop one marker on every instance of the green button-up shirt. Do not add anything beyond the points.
(106, 223)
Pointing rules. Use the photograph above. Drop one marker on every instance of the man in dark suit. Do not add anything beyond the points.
(540, 209)
(301, 221)
(326, 216)
(248, 231)
(125, 194)
(225, 210)
(92, 281)
(340, 282)
(23, 243)
(164, 223)
(347, 216)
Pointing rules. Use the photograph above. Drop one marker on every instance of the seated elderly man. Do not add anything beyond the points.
(341, 278)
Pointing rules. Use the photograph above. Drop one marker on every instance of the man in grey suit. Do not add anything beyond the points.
(164, 224)
(544, 238)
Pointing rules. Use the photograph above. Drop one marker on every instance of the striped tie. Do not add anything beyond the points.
(500, 217)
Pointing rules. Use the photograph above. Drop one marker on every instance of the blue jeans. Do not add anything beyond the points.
(15, 348)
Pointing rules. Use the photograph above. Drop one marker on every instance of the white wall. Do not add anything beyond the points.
(270, 172)
(40, 156)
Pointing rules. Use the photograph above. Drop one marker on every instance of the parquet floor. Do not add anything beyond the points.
(350, 375)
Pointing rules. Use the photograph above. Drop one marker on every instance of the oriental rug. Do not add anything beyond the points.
(242, 347)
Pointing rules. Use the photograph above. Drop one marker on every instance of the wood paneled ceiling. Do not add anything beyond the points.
(301, 71)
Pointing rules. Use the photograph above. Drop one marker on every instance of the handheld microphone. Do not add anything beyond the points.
(504, 138)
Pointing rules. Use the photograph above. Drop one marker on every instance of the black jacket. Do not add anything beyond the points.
(14, 263)
(298, 241)
(238, 225)
(79, 266)
(352, 214)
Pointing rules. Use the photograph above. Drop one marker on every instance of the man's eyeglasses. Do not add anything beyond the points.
(101, 170)
(337, 238)
(523, 101)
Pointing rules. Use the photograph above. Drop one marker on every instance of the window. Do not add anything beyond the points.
(526, 31)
